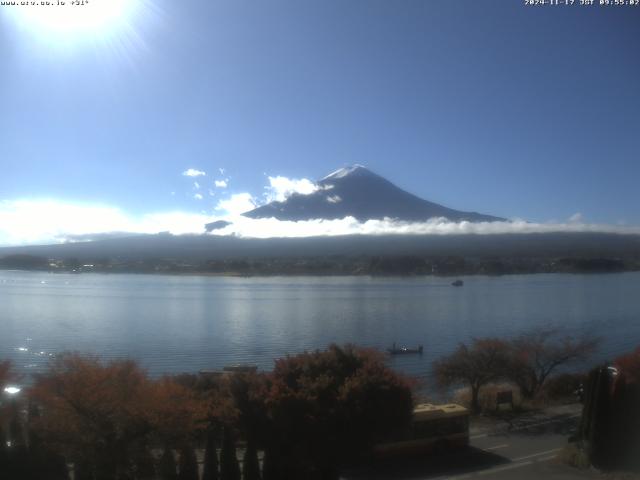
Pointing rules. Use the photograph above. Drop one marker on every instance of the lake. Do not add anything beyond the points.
(178, 324)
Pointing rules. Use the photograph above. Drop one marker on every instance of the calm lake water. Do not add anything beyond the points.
(185, 324)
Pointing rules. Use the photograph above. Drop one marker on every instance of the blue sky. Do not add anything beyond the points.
(494, 106)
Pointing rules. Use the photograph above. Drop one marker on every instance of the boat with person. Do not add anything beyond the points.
(457, 283)
(402, 350)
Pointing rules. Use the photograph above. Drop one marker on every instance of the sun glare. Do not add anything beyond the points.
(72, 17)
(65, 18)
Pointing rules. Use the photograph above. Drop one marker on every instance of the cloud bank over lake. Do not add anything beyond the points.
(271, 227)
(29, 222)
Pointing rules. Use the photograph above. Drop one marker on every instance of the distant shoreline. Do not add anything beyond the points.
(289, 273)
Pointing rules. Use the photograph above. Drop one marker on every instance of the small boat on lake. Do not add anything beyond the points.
(394, 350)
(457, 283)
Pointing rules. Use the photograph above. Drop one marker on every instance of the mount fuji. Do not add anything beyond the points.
(358, 192)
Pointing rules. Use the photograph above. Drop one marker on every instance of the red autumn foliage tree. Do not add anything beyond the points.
(328, 406)
(96, 414)
(106, 416)
(176, 413)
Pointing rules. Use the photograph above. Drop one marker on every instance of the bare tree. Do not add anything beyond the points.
(535, 355)
(475, 365)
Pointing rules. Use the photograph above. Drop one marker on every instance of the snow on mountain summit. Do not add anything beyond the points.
(345, 171)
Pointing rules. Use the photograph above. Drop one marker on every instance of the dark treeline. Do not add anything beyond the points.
(493, 254)
(388, 265)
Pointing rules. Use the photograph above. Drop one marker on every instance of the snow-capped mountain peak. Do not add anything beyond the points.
(345, 171)
(355, 191)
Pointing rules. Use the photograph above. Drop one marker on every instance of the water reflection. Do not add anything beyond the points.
(177, 323)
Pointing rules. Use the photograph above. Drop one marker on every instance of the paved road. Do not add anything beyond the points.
(522, 447)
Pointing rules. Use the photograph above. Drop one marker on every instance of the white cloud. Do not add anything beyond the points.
(222, 183)
(237, 204)
(196, 185)
(221, 170)
(24, 222)
(198, 196)
(192, 172)
(271, 227)
(334, 199)
(282, 187)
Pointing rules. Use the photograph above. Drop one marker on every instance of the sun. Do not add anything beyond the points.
(74, 16)
(54, 19)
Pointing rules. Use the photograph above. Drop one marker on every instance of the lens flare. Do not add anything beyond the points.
(74, 17)
(66, 26)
